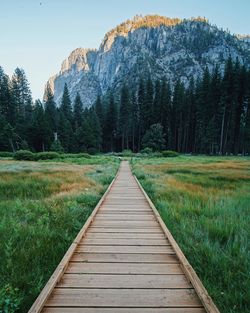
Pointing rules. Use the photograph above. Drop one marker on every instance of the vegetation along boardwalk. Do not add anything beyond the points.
(124, 260)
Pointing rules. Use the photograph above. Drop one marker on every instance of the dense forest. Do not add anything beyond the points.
(211, 116)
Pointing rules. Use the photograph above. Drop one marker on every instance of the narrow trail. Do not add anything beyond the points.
(124, 260)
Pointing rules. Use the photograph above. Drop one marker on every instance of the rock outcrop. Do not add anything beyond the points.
(150, 45)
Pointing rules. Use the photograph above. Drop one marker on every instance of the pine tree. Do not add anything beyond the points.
(21, 94)
(165, 111)
(111, 124)
(148, 104)
(38, 134)
(124, 117)
(7, 108)
(66, 107)
(140, 104)
(51, 116)
(77, 112)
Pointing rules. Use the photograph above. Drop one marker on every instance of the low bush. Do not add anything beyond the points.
(169, 154)
(92, 151)
(75, 155)
(47, 155)
(127, 153)
(25, 155)
(146, 151)
(6, 154)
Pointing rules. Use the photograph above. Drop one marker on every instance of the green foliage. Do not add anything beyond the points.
(10, 299)
(6, 154)
(56, 146)
(169, 153)
(154, 138)
(147, 151)
(127, 153)
(47, 155)
(24, 155)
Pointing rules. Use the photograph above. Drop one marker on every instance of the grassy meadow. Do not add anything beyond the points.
(43, 205)
(205, 202)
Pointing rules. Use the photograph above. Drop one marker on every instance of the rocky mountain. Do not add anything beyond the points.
(151, 45)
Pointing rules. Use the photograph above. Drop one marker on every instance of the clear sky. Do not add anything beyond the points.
(38, 35)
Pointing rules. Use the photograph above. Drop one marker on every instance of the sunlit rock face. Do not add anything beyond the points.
(153, 46)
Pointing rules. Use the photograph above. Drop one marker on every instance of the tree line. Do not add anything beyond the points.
(210, 116)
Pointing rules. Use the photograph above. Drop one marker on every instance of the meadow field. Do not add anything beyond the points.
(43, 205)
(205, 203)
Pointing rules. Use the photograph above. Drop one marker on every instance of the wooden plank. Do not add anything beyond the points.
(124, 281)
(124, 242)
(126, 249)
(125, 211)
(187, 268)
(124, 217)
(129, 224)
(142, 298)
(123, 310)
(123, 268)
(155, 230)
(124, 258)
(124, 236)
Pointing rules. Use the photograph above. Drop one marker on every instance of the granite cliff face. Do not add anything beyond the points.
(151, 45)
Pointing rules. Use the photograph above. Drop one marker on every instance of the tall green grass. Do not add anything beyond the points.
(205, 202)
(42, 208)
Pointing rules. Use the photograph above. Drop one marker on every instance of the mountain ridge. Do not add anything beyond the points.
(152, 45)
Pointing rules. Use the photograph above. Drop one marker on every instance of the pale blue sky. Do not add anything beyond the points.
(38, 34)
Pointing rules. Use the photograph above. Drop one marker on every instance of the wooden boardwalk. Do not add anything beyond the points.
(124, 260)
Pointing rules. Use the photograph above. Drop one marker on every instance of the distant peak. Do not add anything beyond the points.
(140, 21)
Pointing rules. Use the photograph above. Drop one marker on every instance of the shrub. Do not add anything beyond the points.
(24, 155)
(169, 153)
(75, 155)
(146, 150)
(92, 151)
(6, 154)
(127, 153)
(56, 146)
(47, 155)
(154, 138)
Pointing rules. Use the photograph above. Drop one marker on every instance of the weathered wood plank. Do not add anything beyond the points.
(123, 268)
(155, 230)
(124, 217)
(124, 281)
(142, 298)
(129, 224)
(124, 242)
(125, 249)
(123, 310)
(124, 258)
(150, 236)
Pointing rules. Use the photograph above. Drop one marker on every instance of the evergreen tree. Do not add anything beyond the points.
(154, 138)
(111, 124)
(38, 133)
(66, 107)
(77, 112)
(21, 94)
(51, 116)
(124, 117)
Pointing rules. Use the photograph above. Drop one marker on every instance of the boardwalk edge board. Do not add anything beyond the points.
(59, 271)
(187, 268)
